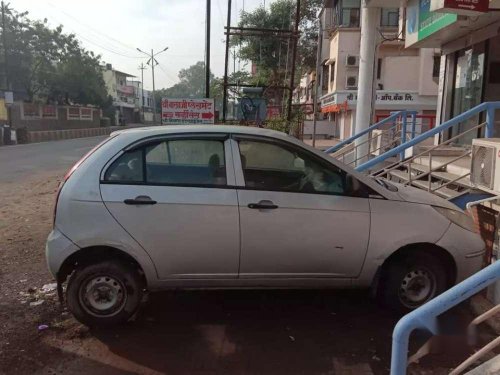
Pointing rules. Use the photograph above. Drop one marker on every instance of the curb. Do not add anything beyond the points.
(57, 135)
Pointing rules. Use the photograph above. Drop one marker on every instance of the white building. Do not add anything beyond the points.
(405, 78)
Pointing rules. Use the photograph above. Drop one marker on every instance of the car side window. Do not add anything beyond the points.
(186, 162)
(271, 166)
(191, 162)
(127, 168)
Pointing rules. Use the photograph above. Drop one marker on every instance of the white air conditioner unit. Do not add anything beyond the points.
(351, 82)
(352, 61)
(483, 173)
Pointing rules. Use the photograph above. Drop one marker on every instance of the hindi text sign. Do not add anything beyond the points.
(187, 111)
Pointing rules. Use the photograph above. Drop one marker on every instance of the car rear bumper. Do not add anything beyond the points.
(58, 248)
(466, 247)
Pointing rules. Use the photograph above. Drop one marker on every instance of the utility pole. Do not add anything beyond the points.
(142, 67)
(370, 18)
(294, 58)
(153, 62)
(228, 25)
(317, 87)
(207, 51)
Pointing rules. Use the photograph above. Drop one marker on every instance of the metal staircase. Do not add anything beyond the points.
(386, 134)
(412, 159)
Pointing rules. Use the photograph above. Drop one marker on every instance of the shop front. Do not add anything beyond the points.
(343, 104)
(469, 71)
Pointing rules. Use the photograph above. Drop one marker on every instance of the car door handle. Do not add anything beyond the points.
(263, 205)
(141, 199)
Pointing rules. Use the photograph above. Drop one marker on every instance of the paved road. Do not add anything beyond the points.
(17, 162)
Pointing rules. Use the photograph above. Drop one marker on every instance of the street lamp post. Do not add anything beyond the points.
(153, 62)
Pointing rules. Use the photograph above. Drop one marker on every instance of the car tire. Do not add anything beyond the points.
(410, 281)
(105, 293)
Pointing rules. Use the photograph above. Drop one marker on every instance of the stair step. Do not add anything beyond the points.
(399, 174)
(465, 181)
(445, 176)
(443, 150)
(444, 192)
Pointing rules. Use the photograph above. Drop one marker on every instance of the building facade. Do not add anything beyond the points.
(123, 94)
(406, 78)
(143, 102)
(469, 71)
(303, 95)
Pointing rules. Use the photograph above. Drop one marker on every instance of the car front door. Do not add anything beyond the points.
(176, 197)
(299, 214)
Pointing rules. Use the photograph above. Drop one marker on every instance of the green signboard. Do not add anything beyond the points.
(430, 22)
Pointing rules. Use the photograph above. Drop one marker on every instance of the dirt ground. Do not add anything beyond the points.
(233, 332)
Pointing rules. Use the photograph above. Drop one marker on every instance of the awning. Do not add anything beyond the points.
(335, 108)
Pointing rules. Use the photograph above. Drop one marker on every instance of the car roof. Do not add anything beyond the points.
(173, 129)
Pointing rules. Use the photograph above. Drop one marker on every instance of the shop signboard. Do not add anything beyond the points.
(463, 7)
(429, 22)
(422, 22)
(187, 111)
(343, 100)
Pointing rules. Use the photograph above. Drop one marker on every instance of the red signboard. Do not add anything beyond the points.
(465, 7)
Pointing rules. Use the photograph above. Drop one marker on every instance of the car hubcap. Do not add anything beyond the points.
(103, 296)
(417, 287)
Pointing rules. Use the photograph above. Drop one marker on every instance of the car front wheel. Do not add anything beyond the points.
(104, 293)
(411, 281)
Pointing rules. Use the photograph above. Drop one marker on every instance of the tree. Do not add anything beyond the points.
(272, 56)
(48, 65)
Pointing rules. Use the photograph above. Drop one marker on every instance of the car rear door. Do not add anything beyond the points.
(298, 218)
(176, 197)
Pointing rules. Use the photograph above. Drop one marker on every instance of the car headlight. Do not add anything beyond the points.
(459, 218)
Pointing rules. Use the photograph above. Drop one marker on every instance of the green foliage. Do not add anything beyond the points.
(49, 65)
(192, 85)
(271, 55)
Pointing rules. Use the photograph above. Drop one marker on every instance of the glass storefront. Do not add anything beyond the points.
(467, 89)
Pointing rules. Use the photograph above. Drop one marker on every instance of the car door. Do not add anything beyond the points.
(299, 217)
(176, 198)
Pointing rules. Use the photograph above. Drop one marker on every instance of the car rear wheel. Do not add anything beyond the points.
(409, 282)
(104, 294)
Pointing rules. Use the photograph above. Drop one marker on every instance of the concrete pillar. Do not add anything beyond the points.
(370, 22)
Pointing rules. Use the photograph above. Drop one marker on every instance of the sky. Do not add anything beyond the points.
(115, 28)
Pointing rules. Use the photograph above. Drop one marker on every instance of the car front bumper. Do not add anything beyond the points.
(467, 248)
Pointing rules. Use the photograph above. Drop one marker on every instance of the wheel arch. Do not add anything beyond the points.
(94, 254)
(444, 257)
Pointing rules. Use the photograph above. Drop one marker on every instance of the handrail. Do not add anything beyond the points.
(425, 316)
(393, 117)
(488, 107)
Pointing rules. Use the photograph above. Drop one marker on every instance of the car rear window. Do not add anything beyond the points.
(186, 162)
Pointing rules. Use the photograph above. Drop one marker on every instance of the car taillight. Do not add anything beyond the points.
(72, 170)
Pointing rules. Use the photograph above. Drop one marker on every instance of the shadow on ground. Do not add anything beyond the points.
(257, 332)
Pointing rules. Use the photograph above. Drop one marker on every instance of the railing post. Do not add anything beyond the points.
(403, 134)
(490, 121)
(413, 124)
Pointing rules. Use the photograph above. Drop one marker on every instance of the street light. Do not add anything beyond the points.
(153, 63)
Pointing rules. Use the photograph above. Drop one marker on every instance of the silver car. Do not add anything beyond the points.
(237, 207)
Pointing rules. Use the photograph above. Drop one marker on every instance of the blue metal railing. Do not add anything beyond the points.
(393, 118)
(488, 107)
(425, 317)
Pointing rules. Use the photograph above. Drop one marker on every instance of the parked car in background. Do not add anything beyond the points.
(237, 207)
